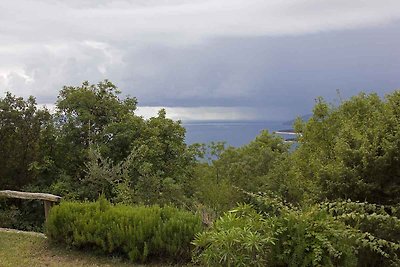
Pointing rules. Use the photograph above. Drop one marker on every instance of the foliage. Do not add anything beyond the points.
(9, 215)
(22, 214)
(242, 237)
(277, 233)
(374, 229)
(246, 166)
(83, 113)
(25, 142)
(280, 236)
(209, 189)
(105, 177)
(285, 180)
(161, 162)
(148, 160)
(345, 152)
(313, 238)
(379, 228)
(353, 151)
(136, 179)
(218, 195)
(222, 171)
(333, 201)
(137, 232)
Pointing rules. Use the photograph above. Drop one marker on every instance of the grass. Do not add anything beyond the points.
(29, 250)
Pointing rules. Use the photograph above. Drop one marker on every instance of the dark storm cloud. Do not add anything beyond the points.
(284, 71)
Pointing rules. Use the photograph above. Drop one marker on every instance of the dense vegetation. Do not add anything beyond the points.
(333, 201)
(138, 232)
(272, 232)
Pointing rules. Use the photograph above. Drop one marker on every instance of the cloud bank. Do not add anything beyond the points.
(229, 53)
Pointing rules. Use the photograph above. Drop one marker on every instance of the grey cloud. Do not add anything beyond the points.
(289, 71)
(45, 69)
(201, 53)
(181, 22)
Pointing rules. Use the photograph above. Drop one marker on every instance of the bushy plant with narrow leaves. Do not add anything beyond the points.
(138, 232)
(242, 237)
(274, 233)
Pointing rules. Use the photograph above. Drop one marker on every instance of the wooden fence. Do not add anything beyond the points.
(48, 199)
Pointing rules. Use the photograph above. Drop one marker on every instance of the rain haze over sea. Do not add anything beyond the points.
(234, 133)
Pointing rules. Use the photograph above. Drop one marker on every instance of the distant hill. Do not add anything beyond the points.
(304, 118)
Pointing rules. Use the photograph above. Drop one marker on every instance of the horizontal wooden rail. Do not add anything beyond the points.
(48, 199)
(27, 195)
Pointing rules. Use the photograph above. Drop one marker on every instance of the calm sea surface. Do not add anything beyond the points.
(235, 133)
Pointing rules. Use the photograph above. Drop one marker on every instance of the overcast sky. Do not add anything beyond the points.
(205, 59)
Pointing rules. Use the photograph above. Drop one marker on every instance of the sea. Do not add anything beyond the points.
(234, 133)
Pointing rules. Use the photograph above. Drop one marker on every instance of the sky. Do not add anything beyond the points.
(203, 59)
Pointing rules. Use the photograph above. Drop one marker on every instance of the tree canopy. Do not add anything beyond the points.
(353, 151)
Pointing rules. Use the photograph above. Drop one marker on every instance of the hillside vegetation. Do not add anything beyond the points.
(333, 201)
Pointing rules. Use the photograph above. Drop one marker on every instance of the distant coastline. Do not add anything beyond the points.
(234, 133)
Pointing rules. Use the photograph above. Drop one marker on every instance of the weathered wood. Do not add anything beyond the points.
(47, 207)
(26, 195)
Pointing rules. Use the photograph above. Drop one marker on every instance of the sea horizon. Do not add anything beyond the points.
(234, 132)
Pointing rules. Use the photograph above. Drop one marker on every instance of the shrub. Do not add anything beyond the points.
(307, 236)
(138, 232)
(314, 238)
(242, 237)
(378, 226)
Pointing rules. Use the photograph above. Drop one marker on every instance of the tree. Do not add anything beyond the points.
(93, 117)
(246, 166)
(223, 173)
(162, 164)
(84, 113)
(26, 138)
(353, 151)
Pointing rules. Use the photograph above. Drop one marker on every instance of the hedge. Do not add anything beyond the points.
(138, 232)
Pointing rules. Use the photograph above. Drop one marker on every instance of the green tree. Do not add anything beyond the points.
(84, 113)
(245, 167)
(162, 164)
(93, 118)
(352, 151)
(223, 173)
(26, 138)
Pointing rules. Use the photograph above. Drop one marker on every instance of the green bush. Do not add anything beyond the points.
(371, 230)
(314, 238)
(242, 237)
(138, 232)
(378, 226)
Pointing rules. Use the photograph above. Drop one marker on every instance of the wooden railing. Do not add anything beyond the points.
(48, 199)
